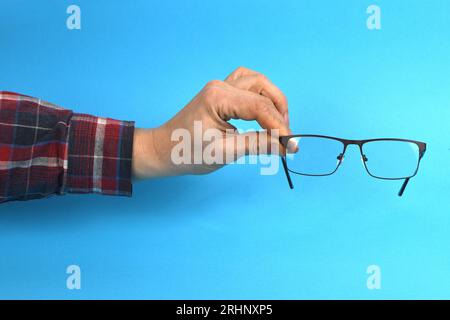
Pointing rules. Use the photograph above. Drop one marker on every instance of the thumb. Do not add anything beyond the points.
(252, 143)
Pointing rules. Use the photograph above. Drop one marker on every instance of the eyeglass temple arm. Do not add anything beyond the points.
(286, 171)
(405, 183)
(403, 187)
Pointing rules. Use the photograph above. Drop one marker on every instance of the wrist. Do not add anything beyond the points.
(147, 159)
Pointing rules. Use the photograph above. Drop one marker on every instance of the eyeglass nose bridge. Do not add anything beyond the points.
(358, 143)
(346, 143)
(341, 157)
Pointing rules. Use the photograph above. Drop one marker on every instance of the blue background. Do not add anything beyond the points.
(236, 233)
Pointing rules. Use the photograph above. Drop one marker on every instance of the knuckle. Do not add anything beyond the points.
(212, 94)
(214, 83)
(262, 78)
(242, 69)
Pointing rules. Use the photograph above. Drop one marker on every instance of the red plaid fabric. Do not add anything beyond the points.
(45, 150)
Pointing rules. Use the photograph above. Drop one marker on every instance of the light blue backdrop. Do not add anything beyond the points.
(236, 233)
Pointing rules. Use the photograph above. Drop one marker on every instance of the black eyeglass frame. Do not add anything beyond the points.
(346, 142)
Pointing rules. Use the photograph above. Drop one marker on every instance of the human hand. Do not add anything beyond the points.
(246, 95)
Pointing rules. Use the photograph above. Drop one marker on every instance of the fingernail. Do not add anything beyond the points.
(292, 146)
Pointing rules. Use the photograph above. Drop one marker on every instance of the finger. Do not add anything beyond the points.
(240, 72)
(292, 146)
(257, 143)
(233, 103)
(270, 90)
(260, 84)
(252, 143)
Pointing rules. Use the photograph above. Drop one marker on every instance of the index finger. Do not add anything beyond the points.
(246, 105)
(246, 79)
(260, 84)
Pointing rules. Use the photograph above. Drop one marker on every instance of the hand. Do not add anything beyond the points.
(246, 95)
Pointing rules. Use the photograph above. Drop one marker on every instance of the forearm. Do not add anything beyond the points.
(45, 150)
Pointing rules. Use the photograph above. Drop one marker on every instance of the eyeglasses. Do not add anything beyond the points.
(386, 158)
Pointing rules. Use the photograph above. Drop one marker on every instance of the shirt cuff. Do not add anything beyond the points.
(99, 156)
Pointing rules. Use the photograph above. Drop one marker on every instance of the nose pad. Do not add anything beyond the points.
(364, 158)
(340, 158)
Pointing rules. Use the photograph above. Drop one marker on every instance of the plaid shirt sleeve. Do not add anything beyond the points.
(46, 150)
